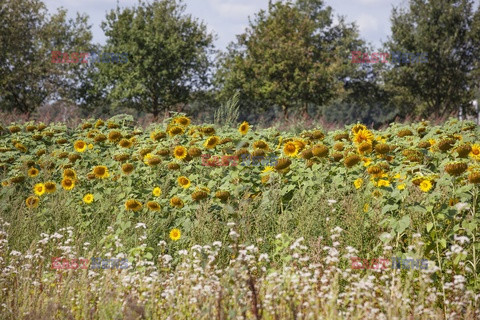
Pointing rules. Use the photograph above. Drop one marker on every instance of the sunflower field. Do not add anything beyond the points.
(239, 241)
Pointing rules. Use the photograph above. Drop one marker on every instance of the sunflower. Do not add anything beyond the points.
(475, 153)
(157, 191)
(401, 186)
(211, 142)
(260, 144)
(365, 147)
(127, 168)
(184, 182)
(358, 183)
(320, 150)
(39, 189)
(425, 185)
(243, 129)
(358, 127)
(33, 172)
(180, 152)
(290, 149)
(68, 184)
(175, 234)
(175, 130)
(32, 202)
(183, 121)
(363, 135)
(154, 206)
(100, 172)
(176, 202)
(474, 177)
(88, 198)
(50, 187)
(199, 195)
(383, 183)
(222, 195)
(114, 136)
(133, 205)
(70, 173)
(125, 143)
(80, 146)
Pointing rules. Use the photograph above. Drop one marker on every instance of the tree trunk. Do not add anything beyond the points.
(285, 112)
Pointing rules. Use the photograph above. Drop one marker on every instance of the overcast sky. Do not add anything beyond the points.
(226, 18)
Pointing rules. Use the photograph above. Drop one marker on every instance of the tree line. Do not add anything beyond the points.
(292, 59)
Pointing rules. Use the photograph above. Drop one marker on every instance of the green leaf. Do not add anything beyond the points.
(429, 226)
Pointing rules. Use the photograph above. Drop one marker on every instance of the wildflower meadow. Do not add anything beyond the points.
(244, 241)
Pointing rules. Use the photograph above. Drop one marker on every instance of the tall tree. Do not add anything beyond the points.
(448, 31)
(168, 56)
(28, 35)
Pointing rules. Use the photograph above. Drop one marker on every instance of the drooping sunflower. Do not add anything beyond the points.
(39, 189)
(243, 129)
(475, 152)
(114, 136)
(211, 142)
(157, 191)
(154, 206)
(425, 185)
(68, 184)
(100, 172)
(125, 143)
(32, 202)
(50, 187)
(199, 195)
(88, 198)
(183, 121)
(157, 135)
(175, 130)
(184, 182)
(70, 173)
(175, 234)
(33, 172)
(365, 147)
(290, 149)
(363, 135)
(127, 168)
(260, 144)
(180, 152)
(80, 146)
(133, 205)
(176, 202)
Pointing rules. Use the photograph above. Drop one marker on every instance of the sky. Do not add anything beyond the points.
(227, 18)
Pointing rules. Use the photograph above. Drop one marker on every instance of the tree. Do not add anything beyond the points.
(449, 32)
(290, 56)
(28, 35)
(168, 56)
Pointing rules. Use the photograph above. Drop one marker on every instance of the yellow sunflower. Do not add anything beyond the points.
(475, 153)
(32, 202)
(183, 121)
(184, 182)
(425, 185)
(211, 142)
(383, 183)
(180, 152)
(70, 173)
(290, 149)
(176, 202)
(125, 143)
(401, 186)
(358, 183)
(50, 187)
(68, 184)
(175, 234)
(363, 135)
(157, 191)
(133, 205)
(88, 198)
(175, 130)
(80, 146)
(33, 172)
(154, 206)
(100, 172)
(243, 129)
(39, 189)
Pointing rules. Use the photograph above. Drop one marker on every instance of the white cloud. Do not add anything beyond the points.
(367, 23)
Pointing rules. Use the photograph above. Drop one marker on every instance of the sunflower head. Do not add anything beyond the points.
(446, 144)
(337, 156)
(365, 147)
(127, 168)
(100, 137)
(375, 171)
(358, 183)
(179, 152)
(283, 164)
(341, 136)
(199, 195)
(356, 128)
(68, 184)
(307, 154)
(243, 128)
(351, 160)
(194, 152)
(153, 161)
(88, 198)
(184, 182)
(70, 173)
(456, 168)
(222, 195)
(157, 191)
(125, 143)
(183, 121)
(176, 202)
(32, 202)
(121, 157)
(339, 146)
(363, 135)
(154, 206)
(173, 166)
(50, 187)
(474, 177)
(175, 130)
(100, 172)
(133, 205)
(424, 145)
(382, 148)
(39, 189)
(463, 150)
(211, 142)
(157, 135)
(404, 133)
(80, 145)
(175, 234)
(33, 172)
(290, 149)
(425, 185)
(475, 152)
(114, 136)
